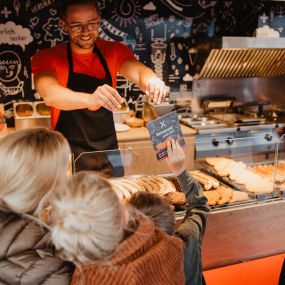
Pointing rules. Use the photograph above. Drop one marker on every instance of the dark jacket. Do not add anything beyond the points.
(26, 256)
(192, 229)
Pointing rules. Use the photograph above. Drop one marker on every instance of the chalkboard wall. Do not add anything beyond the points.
(163, 34)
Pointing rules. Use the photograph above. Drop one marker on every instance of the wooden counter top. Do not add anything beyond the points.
(137, 134)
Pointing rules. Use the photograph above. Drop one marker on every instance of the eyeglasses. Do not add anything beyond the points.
(79, 28)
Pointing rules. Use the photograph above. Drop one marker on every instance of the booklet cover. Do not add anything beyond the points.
(162, 130)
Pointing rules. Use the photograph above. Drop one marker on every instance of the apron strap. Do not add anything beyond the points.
(69, 58)
(103, 62)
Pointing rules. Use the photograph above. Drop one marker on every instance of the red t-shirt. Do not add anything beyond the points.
(55, 60)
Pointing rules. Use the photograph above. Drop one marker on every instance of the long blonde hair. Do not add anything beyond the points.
(32, 163)
(86, 219)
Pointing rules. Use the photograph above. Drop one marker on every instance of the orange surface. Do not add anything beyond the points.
(264, 271)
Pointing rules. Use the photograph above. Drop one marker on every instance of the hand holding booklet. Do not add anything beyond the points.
(162, 130)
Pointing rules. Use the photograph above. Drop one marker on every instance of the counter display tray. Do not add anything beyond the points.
(204, 166)
(226, 201)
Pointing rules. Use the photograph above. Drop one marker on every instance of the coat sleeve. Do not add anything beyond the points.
(193, 226)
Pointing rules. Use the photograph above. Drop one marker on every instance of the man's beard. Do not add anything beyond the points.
(84, 42)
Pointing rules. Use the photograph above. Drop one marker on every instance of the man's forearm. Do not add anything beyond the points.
(65, 99)
(59, 96)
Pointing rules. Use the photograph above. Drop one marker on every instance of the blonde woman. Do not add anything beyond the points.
(110, 243)
(33, 162)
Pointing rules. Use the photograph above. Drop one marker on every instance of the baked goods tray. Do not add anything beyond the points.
(204, 166)
(173, 179)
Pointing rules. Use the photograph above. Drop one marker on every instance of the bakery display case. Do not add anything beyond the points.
(247, 172)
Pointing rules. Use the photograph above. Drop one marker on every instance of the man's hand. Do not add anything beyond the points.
(156, 89)
(176, 157)
(107, 97)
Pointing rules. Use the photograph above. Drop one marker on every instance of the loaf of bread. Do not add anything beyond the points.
(239, 196)
(125, 187)
(239, 172)
(267, 171)
(207, 181)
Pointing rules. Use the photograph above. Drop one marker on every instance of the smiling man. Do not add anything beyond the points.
(78, 79)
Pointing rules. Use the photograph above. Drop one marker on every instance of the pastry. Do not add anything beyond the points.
(177, 198)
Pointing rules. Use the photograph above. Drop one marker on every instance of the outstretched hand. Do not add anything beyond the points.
(156, 89)
(176, 157)
(107, 97)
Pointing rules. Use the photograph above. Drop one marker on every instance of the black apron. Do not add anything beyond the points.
(88, 131)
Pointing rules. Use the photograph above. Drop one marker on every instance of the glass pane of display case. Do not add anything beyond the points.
(240, 172)
(279, 166)
(122, 162)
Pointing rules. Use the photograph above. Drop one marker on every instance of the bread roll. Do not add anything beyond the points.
(177, 198)
(207, 184)
(239, 196)
(213, 181)
(122, 188)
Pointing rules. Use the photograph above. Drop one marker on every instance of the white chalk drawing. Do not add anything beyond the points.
(280, 10)
(272, 12)
(206, 4)
(139, 43)
(139, 103)
(187, 22)
(109, 32)
(193, 52)
(186, 9)
(13, 34)
(158, 49)
(37, 35)
(10, 67)
(264, 18)
(173, 51)
(42, 5)
(53, 31)
(28, 4)
(9, 110)
(149, 7)
(26, 74)
(37, 96)
(102, 4)
(17, 6)
(123, 84)
(200, 28)
(153, 20)
(187, 77)
(126, 12)
(52, 12)
(6, 12)
(34, 21)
